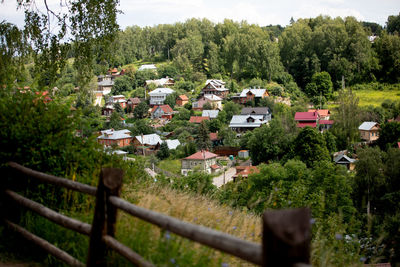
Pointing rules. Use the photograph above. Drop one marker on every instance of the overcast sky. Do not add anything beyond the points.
(261, 12)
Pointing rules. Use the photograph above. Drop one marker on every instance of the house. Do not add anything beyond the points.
(242, 123)
(107, 110)
(110, 137)
(147, 67)
(157, 96)
(244, 171)
(324, 114)
(172, 144)
(215, 102)
(132, 102)
(212, 114)
(369, 131)
(104, 85)
(215, 87)
(163, 111)
(198, 119)
(325, 125)
(120, 99)
(304, 119)
(203, 160)
(248, 95)
(264, 111)
(342, 159)
(151, 141)
(163, 82)
(182, 100)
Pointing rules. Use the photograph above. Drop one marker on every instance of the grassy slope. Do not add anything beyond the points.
(171, 165)
(375, 98)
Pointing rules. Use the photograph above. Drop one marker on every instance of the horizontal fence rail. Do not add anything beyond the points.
(286, 233)
(53, 250)
(246, 250)
(50, 214)
(51, 179)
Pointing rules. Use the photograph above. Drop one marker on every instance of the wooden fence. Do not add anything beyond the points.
(285, 241)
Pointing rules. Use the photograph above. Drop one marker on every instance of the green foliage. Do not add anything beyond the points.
(388, 50)
(197, 182)
(122, 84)
(230, 109)
(141, 110)
(203, 137)
(163, 153)
(171, 100)
(310, 147)
(389, 135)
(393, 24)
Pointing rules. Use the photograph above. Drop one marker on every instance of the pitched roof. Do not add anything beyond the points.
(210, 113)
(134, 100)
(343, 159)
(147, 67)
(172, 144)
(255, 110)
(203, 154)
(112, 134)
(149, 139)
(321, 112)
(183, 97)
(160, 82)
(165, 108)
(306, 116)
(198, 119)
(326, 122)
(213, 136)
(159, 91)
(305, 124)
(367, 125)
(212, 98)
(238, 121)
(106, 83)
(256, 92)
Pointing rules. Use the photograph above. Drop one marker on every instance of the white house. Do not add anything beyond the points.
(157, 96)
(147, 67)
(203, 160)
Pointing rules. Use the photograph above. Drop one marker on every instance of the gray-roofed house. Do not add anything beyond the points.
(163, 82)
(215, 87)
(212, 114)
(110, 137)
(242, 123)
(157, 96)
(248, 95)
(172, 144)
(151, 141)
(104, 86)
(369, 131)
(265, 111)
(342, 159)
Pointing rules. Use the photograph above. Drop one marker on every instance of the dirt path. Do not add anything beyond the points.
(219, 180)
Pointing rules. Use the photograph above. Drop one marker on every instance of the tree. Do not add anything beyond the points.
(85, 27)
(389, 135)
(122, 84)
(141, 110)
(164, 152)
(321, 85)
(115, 121)
(203, 137)
(388, 50)
(310, 147)
(171, 100)
(393, 24)
(346, 119)
(230, 109)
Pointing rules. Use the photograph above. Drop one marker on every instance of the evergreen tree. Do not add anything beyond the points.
(203, 137)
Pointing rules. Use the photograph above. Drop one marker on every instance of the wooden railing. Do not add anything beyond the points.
(285, 241)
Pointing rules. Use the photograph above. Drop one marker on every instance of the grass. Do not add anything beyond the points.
(375, 98)
(171, 165)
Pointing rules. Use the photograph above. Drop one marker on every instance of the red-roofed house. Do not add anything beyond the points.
(201, 160)
(198, 119)
(244, 171)
(163, 111)
(324, 114)
(215, 139)
(182, 100)
(304, 119)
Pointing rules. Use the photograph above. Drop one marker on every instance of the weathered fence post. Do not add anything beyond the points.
(104, 218)
(286, 237)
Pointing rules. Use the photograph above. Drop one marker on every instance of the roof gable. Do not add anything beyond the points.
(202, 155)
(367, 125)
